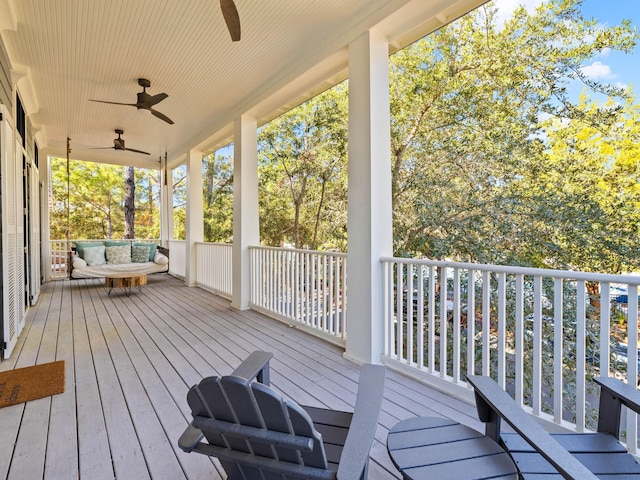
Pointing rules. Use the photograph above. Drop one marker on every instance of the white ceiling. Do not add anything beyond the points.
(64, 52)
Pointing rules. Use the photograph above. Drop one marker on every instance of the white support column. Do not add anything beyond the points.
(246, 227)
(195, 218)
(45, 214)
(370, 216)
(166, 206)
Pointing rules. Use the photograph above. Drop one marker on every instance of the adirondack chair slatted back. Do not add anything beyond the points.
(235, 400)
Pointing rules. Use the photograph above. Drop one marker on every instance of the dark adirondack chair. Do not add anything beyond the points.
(256, 434)
(541, 455)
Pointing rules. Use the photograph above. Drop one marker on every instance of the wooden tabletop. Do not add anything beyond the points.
(433, 447)
(125, 275)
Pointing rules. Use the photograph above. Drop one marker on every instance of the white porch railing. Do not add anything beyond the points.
(178, 258)
(304, 288)
(59, 254)
(214, 267)
(541, 334)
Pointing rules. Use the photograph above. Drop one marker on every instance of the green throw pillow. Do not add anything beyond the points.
(152, 252)
(140, 253)
(80, 246)
(94, 256)
(115, 243)
(118, 255)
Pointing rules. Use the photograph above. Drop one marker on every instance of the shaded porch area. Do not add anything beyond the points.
(129, 364)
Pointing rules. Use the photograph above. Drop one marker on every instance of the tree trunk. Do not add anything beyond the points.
(150, 194)
(314, 246)
(593, 290)
(129, 203)
(109, 222)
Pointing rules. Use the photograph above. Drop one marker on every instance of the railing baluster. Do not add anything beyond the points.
(486, 323)
(537, 345)
(502, 329)
(409, 307)
(399, 311)
(632, 364)
(558, 347)
(519, 340)
(432, 320)
(456, 325)
(605, 327)
(471, 323)
(444, 322)
(330, 304)
(420, 311)
(581, 353)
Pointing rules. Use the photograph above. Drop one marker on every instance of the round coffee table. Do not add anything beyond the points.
(434, 447)
(126, 281)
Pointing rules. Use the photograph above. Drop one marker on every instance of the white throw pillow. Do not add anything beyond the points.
(94, 256)
(161, 259)
(78, 262)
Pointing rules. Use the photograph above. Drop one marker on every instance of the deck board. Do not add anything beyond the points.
(130, 361)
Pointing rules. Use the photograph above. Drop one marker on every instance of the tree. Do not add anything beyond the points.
(179, 178)
(469, 105)
(218, 198)
(96, 201)
(129, 202)
(302, 164)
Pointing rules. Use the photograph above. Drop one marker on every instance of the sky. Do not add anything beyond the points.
(610, 67)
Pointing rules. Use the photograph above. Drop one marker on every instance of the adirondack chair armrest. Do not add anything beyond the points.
(613, 394)
(255, 366)
(190, 438)
(494, 404)
(266, 464)
(355, 455)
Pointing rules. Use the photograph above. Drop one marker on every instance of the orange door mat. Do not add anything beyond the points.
(30, 383)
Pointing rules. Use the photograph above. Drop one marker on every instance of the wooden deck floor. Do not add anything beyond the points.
(129, 364)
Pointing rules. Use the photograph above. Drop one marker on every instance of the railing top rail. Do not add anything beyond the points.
(105, 239)
(283, 249)
(540, 272)
(220, 244)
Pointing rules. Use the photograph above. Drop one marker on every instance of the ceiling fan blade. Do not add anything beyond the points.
(100, 148)
(136, 151)
(231, 17)
(161, 116)
(155, 99)
(113, 103)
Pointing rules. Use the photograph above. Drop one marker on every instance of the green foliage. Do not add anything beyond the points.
(302, 174)
(217, 174)
(96, 201)
(477, 113)
(180, 203)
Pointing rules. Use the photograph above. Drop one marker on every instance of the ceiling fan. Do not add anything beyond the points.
(145, 101)
(118, 144)
(231, 17)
